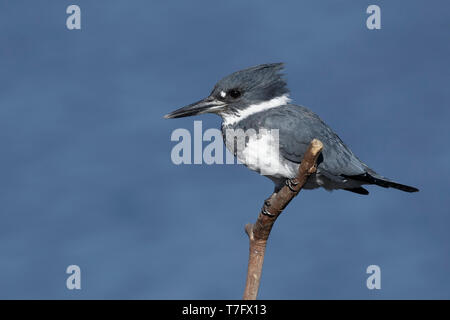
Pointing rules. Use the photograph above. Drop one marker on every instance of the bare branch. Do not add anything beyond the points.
(259, 232)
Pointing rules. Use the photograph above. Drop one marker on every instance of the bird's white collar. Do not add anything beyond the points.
(230, 119)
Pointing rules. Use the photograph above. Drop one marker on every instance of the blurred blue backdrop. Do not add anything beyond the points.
(86, 176)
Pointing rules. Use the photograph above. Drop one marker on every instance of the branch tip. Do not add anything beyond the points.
(249, 230)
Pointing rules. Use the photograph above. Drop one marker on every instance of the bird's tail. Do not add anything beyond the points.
(382, 182)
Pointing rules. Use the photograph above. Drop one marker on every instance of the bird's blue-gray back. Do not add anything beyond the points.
(297, 127)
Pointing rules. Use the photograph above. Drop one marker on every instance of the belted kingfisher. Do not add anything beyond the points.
(257, 99)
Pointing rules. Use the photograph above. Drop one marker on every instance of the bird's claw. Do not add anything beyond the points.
(265, 210)
(292, 183)
(267, 213)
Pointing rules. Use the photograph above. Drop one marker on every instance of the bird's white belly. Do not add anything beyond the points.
(262, 154)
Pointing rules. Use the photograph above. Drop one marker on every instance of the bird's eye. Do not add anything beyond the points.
(234, 93)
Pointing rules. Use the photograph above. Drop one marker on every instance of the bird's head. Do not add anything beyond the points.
(238, 91)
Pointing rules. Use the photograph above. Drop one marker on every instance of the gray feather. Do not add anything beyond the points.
(297, 127)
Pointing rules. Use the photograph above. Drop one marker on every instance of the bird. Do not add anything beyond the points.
(256, 100)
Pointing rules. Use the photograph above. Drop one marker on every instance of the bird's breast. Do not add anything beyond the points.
(259, 151)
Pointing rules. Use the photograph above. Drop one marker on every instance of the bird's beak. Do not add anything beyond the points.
(206, 105)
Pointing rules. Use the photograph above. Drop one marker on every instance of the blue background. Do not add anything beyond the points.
(86, 176)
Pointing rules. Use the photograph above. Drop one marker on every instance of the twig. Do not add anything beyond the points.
(259, 232)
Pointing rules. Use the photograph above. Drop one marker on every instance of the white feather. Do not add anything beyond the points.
(255, 108)
(262, 154)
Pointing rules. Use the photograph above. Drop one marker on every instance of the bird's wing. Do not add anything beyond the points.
(298, 126)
